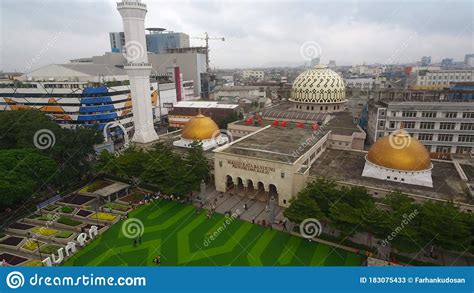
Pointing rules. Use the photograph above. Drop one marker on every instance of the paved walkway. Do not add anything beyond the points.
(257, 210)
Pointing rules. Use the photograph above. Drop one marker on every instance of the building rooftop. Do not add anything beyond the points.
(284, 111)
(204, 105)
(285, 145)
(342, 123)
(347, 166)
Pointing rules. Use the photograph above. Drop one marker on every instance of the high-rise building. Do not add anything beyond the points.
(117, 41)
(425, 60)
(447, 62)
(469, 60)
(133, 14)
(157, 40)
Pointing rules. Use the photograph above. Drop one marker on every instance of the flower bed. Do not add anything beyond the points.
(117, 206)
(32, 245)
(84, 213)
(103, 217)
(49, 249)
(63, 234)
(45, 231)
(67, 209)
(68, 222)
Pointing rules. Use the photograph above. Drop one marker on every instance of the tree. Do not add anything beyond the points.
(443, 225)
(197, 163)
(301, 208)
(23, 173)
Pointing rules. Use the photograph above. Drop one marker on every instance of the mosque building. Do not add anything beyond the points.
(313, 135)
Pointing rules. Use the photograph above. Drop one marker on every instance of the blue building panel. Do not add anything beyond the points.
(95, 109)
(95, 90)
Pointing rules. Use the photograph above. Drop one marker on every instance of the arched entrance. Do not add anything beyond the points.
(250, 189)
(272, 192)
(260, 191)
(229, 184)
(240, 187)
(111, 124)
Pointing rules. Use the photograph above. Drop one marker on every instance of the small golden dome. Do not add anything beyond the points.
(200, 127)
(400, 151)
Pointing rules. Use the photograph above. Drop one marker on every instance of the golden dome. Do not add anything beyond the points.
(400, 151)
(200, 127)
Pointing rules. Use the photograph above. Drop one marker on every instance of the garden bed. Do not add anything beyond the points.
(45, 231)
(117, 206)
(67, 209)
(33, 263)
(63, 235)
(133, 197)
(84, 213)
(77, 199)
(51, 208)
(49, 249)
(32, 245)
(104, 217)
(12, 259)
(69, 222)
(12, 241)
(20, 226)
(96, 185)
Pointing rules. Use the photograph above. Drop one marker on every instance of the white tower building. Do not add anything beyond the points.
(133, 13)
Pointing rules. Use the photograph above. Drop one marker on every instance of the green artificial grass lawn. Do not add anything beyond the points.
(176, 233)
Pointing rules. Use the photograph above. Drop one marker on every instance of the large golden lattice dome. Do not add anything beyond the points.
(400, 151)
(200, 127)
(318, 85)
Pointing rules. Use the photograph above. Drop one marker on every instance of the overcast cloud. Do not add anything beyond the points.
(258, 33)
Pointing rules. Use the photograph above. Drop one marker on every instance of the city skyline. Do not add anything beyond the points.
(272, 35)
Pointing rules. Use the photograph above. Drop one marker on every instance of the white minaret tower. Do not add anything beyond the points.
(133, 13)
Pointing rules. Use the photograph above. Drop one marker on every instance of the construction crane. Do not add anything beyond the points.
(207, 38)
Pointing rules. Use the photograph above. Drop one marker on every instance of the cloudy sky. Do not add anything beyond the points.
(34, 33)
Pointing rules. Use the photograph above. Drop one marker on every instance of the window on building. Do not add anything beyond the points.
(409, 114)
(392, 124)
(427, 125)
(381, 123)
(450, 114)
(463, 150)
(443, 149)
(465, 138)
(467, 126)
(468, 115)
(408, 124)
(428, 114)
(425, 136)
(447, 125)
(445, 137)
